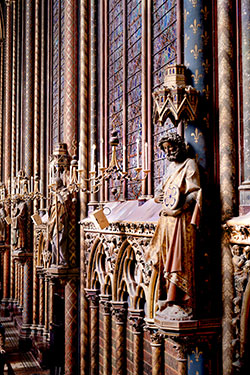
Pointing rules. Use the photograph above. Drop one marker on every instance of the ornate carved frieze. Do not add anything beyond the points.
(238, 230)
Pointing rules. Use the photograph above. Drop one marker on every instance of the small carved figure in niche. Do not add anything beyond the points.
(19, 222)
(172, 248)
(58, 224)
(2, 223)
(238, 259)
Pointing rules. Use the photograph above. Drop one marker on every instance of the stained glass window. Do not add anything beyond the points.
(115, 73)
(164, 53)
(134, 95)
(57, 70)
(124, 81)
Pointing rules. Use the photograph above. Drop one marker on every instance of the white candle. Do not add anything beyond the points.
(138, 152)
(93, 157)
(80, 156)
(146, 156)
(124, 159)
(101, 153)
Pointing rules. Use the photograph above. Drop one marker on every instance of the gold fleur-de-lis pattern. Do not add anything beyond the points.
(196, 362)
(196, 51)
(196, 76)
(198, 59)
(194, 26)
(186, 13)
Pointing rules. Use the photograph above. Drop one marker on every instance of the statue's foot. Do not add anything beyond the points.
(175, 312)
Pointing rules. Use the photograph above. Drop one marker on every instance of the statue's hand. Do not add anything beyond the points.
(168, 212)
(159, 198)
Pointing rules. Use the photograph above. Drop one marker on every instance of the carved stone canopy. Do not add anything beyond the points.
(175, 100)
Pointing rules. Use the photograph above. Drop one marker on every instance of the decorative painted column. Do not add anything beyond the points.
(7, 135)
(71, 327)
(106, 312)
(136, 320)
(28, 149)
(21, 286)
(35, 296)
(70, 75)
(92, 295)
(42, 105)
(228, 161)
(83, 150)
(119, 310)
(13, 135)
(93, 93)
(27, 299)
(16, 283)
(46, 307)
(197, 21)
(41, 303)
(245, 45)
(157, 352)
(1, 104)
(51, 300)
(8, 92)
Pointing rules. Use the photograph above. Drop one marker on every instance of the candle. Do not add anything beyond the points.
(124, 159)
(80, 156)
(146, 156)
(138, 152)
(93, 157)
(101, 153)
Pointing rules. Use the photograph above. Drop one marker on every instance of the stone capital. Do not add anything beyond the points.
(119, 310)
(93, 297)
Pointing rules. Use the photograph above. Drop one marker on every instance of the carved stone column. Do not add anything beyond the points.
(16, 283)
(106, 312)
(136, 320)
(27, 299)
(51, 300)
(92, 295)
(182, 359)
(157, 352)
(21, 285)
(6, 277)
(119, 310)
(41, 302)
(71, 327)
(35, 311)
(46, 306)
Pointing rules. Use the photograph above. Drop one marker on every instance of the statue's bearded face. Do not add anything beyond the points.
(172, 151)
